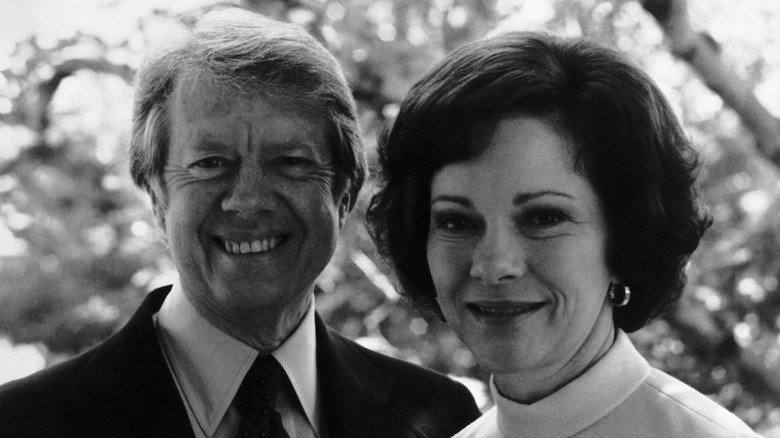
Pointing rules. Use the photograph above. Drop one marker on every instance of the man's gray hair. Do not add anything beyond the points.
(246, 55)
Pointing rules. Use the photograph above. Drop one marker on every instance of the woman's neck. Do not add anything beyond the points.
(529, 386)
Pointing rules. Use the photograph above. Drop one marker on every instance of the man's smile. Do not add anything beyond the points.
(253, 246)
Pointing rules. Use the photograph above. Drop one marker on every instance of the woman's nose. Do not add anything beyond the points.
(250, 193)
(499, 257)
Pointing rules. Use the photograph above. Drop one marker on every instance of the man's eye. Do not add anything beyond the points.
(210, 162)
(294, 161)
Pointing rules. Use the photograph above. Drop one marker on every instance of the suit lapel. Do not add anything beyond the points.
(129, 381)
(128, 384)
(356, 395)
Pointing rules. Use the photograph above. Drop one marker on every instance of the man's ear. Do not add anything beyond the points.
(344, 203)
(158, 199)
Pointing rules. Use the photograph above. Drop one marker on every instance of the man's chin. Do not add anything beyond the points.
(260, 294)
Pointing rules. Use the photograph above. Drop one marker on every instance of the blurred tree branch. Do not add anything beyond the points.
(712, 341)
(64, 288)
(37, 108)
(33, 105)
(702, 53)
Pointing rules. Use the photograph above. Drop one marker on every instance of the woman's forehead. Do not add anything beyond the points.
(523, 152)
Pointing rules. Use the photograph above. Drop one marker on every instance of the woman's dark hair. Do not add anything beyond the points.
(626, 142)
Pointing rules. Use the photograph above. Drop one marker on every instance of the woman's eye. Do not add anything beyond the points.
(454, 224)
(542, 223)
(545, 219)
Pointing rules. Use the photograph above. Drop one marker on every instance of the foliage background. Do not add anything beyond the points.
(78, 248)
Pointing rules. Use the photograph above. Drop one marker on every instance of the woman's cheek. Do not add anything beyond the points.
(449, 265)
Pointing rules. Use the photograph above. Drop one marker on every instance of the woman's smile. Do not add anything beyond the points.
(502, 312)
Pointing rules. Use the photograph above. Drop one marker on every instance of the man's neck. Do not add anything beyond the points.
(262, 329)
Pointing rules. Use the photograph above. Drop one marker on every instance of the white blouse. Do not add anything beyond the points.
(620, 396)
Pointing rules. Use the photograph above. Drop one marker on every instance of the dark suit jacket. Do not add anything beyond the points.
(123, 388)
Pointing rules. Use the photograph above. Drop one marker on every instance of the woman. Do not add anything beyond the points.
(538, 193)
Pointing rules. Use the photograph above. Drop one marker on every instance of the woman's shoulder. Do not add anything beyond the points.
(672, 404)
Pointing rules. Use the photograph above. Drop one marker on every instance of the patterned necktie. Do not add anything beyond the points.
(256, 397)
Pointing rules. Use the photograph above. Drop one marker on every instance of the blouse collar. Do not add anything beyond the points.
(585, 400)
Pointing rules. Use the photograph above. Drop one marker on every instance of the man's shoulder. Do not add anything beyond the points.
(47, 381)
(424, 382)
(53, 378)
(392, 390)
(81, 392)
(43, 402)
(398, 368)
(136, 337)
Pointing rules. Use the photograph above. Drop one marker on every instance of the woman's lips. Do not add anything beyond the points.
(503, 310)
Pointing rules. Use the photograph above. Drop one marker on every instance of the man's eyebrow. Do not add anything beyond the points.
(208, 144)
(296, 143)
(461, 200)
(522, 198)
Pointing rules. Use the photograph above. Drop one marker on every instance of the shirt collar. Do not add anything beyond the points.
(585, 400)
(210, 364)
(298, 357)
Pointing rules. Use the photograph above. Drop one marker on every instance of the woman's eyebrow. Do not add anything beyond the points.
(522, 198)
(461, 200)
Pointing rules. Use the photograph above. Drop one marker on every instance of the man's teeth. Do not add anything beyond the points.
(252, 247)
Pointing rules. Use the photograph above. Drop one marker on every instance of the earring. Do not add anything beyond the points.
(619, 294)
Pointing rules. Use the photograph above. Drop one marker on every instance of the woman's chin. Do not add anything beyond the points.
(506, 354)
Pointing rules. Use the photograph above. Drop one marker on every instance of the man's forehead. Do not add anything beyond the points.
(207, 116)
(201, 96)
(198, 97)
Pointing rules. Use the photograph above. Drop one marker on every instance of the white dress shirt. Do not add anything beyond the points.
(620, 396)
(209, 365)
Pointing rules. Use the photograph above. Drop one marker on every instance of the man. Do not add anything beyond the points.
(245, 137)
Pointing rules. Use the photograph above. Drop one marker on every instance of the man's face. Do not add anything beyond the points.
(248, 206)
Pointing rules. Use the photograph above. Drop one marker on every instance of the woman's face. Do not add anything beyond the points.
(516, 249)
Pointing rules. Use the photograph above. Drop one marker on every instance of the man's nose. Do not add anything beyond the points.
(250, 193)
(499, 257)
